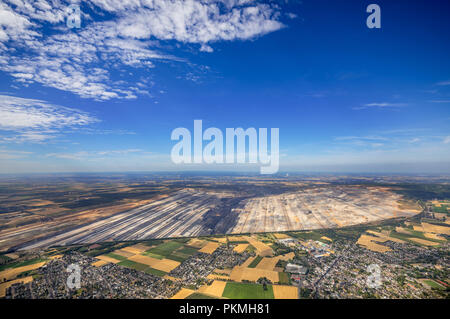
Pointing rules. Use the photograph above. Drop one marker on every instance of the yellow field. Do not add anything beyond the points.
(267, 263)
(136, 249)
(183, 293)
(221, 240)
(386, 237)
(237, 238)
(196, 243)
(12, 256)
(403, 230)
(6, 285)
(99, 263)
(215, 289)
(124, 253)
(430, 228)
(240, 248)
(281, 236)
(218, 276)
(165, 265)
(326, 238)
(367, 241)
(222, 271)
(146, 260)
(56, 257)
(285, 292)
(287, 256)
(433, 236)
(108, 259)
(261, 248)
(424, 242)
(247, 262)
(436, 203)
(209, 248)
(12, 273)
(253, 274)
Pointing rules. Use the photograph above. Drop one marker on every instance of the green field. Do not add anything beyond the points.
(153, 255)
(440, 209)
(141, 267)
(4, 259)
(236, 290)
(182, 253)
(187, 250)
(178, 257)
(133, 265)
(433, 284)
(414, 234)
(284, 278)
(197, 295)
(155, 272)
(115, 256)
(22, 263)
(165, 249)
(255, 262)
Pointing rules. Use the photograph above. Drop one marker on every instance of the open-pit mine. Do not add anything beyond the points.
(206, 210)
(323, 207)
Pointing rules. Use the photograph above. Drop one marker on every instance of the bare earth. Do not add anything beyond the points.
(183, 215)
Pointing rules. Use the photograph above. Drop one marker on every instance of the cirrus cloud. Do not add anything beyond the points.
(37, 47)
(33, 120)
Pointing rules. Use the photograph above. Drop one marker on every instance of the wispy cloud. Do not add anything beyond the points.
(390, 139)
(82, 61)
(443, 83)
(95, 155)
(439, 101)
(291, 15)
(367, 137)
(378, 105)
(6, 154)
(36, 120)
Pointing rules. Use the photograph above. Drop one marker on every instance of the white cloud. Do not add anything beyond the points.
(96, 155)
(389, 140)
(206, 48)
(447, 140)
(6, 154)
(382, 105)
(367, 137)
(81, 61)
(443, 83)
(35, 120)
(192, 21)
(291, 15)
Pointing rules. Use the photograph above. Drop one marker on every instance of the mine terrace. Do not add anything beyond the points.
(43, 212)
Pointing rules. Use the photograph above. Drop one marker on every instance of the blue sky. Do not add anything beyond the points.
(106, 96)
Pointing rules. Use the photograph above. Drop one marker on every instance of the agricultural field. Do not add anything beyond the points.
(285, 292)
(247, 291)
(423, 233)
(432, 284)
(158, 260)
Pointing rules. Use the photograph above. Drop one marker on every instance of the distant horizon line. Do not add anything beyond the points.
(230, 173)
